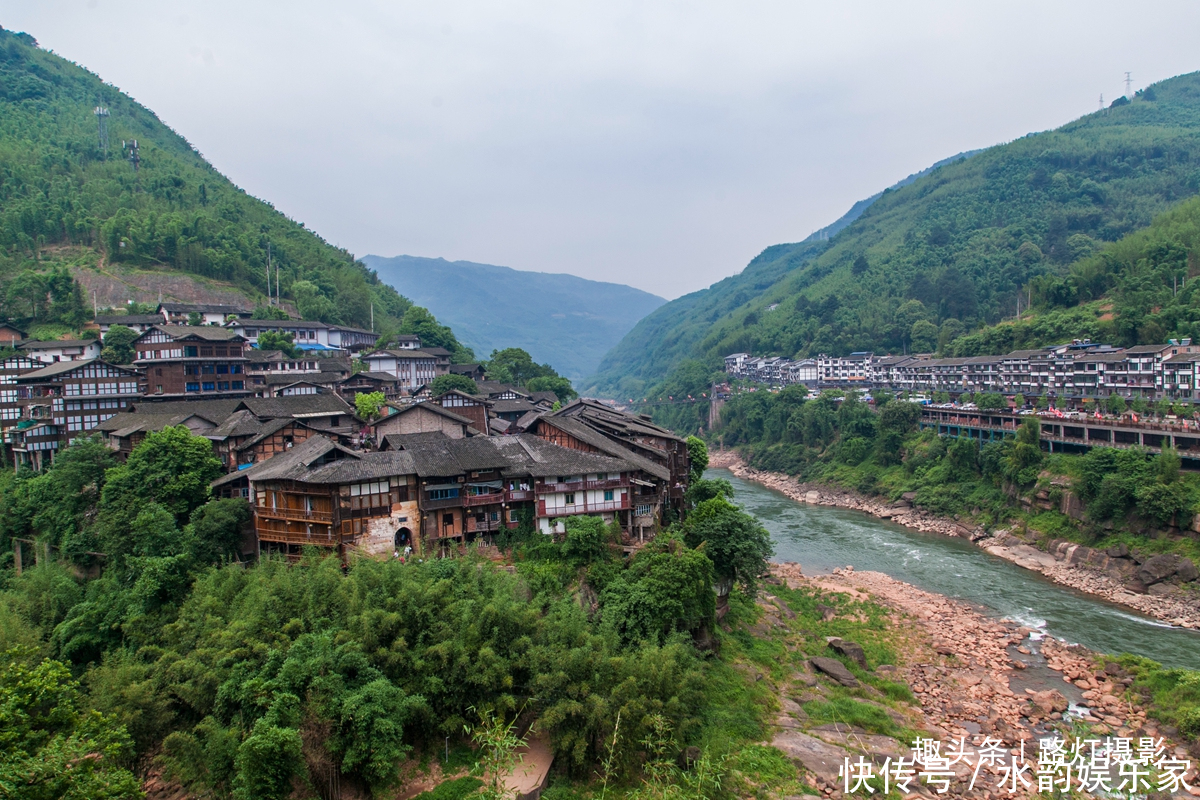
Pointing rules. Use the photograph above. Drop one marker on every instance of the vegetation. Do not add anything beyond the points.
(562, 320)
(451, 383)
(118, 345)
(838, 439)
(283, 342)
(946, 254)
(367, 404)
(250, 680)
(516, 367)
(67, 205)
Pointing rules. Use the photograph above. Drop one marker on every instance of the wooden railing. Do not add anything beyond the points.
(449, 502)
(323, 538)
(576, 486)
(482, 499)
(518, 495)
(585, 507)
(299, 514)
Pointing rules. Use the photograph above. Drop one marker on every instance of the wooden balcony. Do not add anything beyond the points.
(518, 495)
(470, 500)
(297, 514)
(319, 536)
(585, 507)
(486, 526)
(578, 486)
(449, 502)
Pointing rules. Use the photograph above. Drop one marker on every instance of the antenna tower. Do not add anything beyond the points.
(1129, 85)
(102, 118)
(1102, 101)
(132, 147)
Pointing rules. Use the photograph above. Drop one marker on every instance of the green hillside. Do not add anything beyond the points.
(563, 320)
(65, 203)
(942, 256)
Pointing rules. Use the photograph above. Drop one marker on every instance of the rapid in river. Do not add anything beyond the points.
(821, 538)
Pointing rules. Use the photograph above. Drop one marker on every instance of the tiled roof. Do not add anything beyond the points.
(61, 367)
(129, 319)
(209, 333)
(431, 407)
(589, 435)
(57, 343)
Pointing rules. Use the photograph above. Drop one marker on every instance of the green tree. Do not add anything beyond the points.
(666, 588)
(368, 404)
(195, 318)
(52, 749)
(170, 467)
(1115, 404)
(697, 458)
(991, 401)
(924, 336)
(452, 382)
(283, 342)
(312, 303)
(118, 345)
(737, 543)
(270, 312)
(514, 365)
(267, 761)
(561, 387)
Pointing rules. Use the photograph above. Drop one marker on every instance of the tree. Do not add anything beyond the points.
(737, 543)
(266, 762)
(312, 303)
(195, 318)
(449, 383)
(924, 336)
(697, 458)
(991, 401)
(118, 345)
(170, 467)
(216, 529)
(270, 312)
(274, 340)
(367, 404)
(561, 387)
(666, 588)
(52, 748)
(515, 365)
(860, 265)
(1115, 404)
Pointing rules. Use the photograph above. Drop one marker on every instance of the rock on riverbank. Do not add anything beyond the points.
(1064, 566)
(976, 677)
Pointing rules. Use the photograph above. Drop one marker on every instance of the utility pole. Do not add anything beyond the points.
(95, 305)
(372, 317)
(1129, 85)
(268, 273)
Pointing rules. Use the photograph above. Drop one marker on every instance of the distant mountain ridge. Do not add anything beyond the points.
(937, 258)
(563, 320)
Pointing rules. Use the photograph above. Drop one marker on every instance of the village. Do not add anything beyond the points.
(421, 476)
(1073, 372)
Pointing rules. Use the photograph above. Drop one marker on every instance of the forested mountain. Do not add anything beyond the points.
(948, 252)
(67, 203)
(562, 320)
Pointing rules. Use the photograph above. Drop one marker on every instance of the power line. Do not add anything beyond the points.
(1129, 85)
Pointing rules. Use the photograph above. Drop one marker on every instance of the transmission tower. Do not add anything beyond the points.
(132, 147)
(102, 118)
(1102, 101)
(1129, 85)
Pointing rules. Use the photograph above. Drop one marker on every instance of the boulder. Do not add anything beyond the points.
(1196, 523)
(1135, 586)
(1050, 701)
(1186, 571)
(812, 497)
(850, 650)
(1157, 568)
(821, 758)
(909, 496)
(836, 670)
(1118, 551)
(827, 612)
(901, 504)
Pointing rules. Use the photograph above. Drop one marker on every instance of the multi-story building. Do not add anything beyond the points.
(210, 313)
(413, 368)
(61, 350)
(182, 361)
(78, 395)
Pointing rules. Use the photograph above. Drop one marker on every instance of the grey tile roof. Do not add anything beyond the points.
(619, 422)
(431, 407)
(129, 319)
(62, 367)
(40, 345)
(519, 405)
(124, 423)
(589, 435)
(209, 333)
(300, 404)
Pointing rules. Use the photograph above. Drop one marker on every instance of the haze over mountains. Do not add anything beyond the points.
(563, 320)
(950, 250)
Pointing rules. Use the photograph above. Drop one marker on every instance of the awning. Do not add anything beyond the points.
(432, 486)
(488, 484)
(641, 482)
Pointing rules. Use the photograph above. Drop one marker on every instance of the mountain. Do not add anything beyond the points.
(942, 256)
(562, 320)
(71, 207)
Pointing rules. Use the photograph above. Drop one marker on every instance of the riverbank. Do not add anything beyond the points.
(1062, 567)
(973, 677)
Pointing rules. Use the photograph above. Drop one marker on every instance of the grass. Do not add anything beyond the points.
(1173, 695)
(848, 711)
(457, 789)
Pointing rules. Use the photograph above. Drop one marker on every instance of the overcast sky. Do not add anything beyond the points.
(661, 145)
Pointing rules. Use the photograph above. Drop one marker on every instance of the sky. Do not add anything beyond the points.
(662, 145)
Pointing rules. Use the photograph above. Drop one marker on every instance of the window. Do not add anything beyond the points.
(207, 369)
(157, 372)
(569, 498)
(209, 386)
(191, 387)
(443, 494)
(236, 369)
(220, 351)
(223, 386)
(608, 495)
(222, 369)
(189, 351)
(642, 511)
(206, 351)
(239, 385)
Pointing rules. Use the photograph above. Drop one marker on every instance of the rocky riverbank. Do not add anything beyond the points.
(1150, 587)
(973, 677)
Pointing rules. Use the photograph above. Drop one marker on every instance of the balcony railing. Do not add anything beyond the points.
(518, 495)
(585, 508)
(449, 502)
(470, 500)
(576, 486)
(486, 526)
(300, 514)
(325, 537)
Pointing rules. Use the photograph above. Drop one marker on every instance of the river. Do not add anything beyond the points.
(821, 538)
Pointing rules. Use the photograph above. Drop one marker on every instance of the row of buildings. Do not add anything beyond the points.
(430, 473)
(1076, 370)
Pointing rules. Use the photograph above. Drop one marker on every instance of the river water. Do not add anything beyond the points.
(821, 538)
